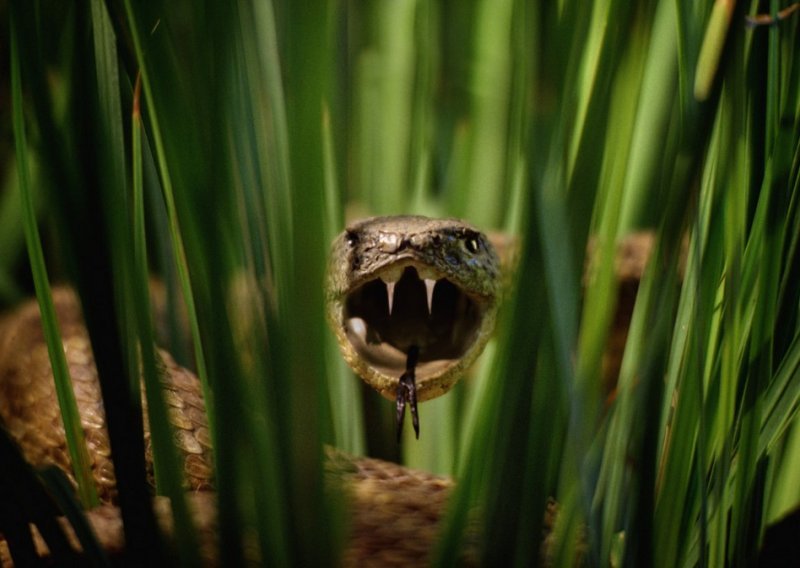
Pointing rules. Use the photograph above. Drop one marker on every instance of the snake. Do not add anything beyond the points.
(405, 295)
(395, 285)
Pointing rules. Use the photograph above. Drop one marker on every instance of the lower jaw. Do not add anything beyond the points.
(433, 379)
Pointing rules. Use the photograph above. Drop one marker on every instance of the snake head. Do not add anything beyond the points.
(403, 281)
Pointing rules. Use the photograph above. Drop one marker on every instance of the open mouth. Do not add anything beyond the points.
(405, 305)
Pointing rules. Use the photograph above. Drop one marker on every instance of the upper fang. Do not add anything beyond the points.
(390, 294)
(429, 286)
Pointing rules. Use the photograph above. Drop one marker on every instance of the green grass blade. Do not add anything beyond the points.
(166, 463)
(175, 232)
(76, 443)
(346, 408)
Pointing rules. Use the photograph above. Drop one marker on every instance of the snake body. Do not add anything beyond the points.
(395, 511)
(463, 271)
(30, 412)
(379, 492)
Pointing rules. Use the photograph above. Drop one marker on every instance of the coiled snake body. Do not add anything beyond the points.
(393, 283)
(441, 283)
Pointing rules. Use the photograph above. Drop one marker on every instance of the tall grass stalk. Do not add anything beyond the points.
(76, 443)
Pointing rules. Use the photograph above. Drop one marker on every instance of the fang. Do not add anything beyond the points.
(429, 286)
(390, 294)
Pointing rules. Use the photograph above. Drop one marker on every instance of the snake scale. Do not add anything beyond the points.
(440, 279)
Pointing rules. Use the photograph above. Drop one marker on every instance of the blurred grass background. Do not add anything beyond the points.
(263, 125)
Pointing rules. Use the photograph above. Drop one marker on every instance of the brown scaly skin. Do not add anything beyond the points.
(29, 408)
(438, 249)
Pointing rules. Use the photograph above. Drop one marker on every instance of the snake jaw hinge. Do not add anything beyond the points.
(407, 394)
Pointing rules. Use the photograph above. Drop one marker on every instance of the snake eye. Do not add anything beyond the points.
(471, 244)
